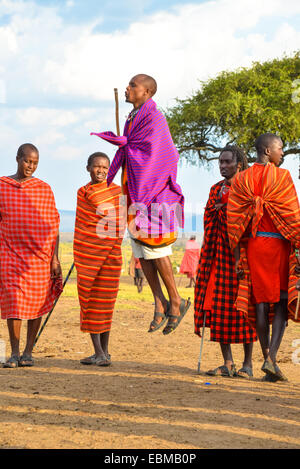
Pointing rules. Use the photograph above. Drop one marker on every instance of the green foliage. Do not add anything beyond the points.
(237, 107)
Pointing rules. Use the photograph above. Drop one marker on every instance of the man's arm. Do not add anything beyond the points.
(55, 264)
(238, 270)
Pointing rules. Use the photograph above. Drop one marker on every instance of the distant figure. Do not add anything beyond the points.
(98, 256)
(136, 271)
(190, 260)
(30, 272)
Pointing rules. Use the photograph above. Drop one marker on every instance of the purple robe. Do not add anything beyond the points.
(149, 154)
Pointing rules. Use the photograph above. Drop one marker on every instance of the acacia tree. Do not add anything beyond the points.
(236, 107)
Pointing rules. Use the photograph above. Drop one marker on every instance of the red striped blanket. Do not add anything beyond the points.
(97, 254)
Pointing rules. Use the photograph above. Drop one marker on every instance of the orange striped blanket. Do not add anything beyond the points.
(99, 228)
(279, 198)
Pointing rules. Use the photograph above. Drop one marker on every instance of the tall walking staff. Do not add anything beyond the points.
(201, 345)
(54, 304)
(297, 307)
(117, 110)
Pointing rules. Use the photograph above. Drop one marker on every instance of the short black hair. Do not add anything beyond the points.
(97, 154)
(264, 141)
(238, 153)
(23, 149)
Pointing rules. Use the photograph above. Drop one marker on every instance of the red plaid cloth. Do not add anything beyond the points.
(226, 324)
(29, 225)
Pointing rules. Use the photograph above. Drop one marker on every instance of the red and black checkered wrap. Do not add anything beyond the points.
(226, 324)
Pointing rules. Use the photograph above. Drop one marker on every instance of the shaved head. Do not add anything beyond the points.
(26, 148)
(147, 82)
(265, 141)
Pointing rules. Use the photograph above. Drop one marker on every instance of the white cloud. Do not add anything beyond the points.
(32, 116)
(2, 92)
(178, 47)
(49, 137)
(67, 153)
(55, 75)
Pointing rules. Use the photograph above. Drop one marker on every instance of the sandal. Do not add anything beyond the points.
(269, 379)
(92, 360)
(279, 375)
(268, 368)
(245, 372)
(89, 360)
(26, 360)
(157, 325)
(103, 362)
(223, 370)
(12, 362)
(172, 325)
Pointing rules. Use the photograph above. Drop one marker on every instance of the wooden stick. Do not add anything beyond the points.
(117, 110)
(201, 346)
(297, 307)
(54, 304)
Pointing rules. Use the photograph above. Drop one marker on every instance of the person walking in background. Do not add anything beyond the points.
(136, 271)
(190, 261)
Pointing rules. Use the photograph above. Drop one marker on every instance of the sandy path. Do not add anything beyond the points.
(151, 397)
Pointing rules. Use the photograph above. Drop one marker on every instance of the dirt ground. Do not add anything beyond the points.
(151, 397)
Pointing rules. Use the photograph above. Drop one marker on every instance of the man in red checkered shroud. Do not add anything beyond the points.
(30, 273)
(217, 282)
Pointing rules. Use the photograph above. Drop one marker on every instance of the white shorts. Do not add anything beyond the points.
(146, 252)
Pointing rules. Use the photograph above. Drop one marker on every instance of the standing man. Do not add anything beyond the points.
(148, 158)
(264, 230)
(217, 282)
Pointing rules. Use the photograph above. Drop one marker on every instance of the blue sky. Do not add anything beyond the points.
(61, 59)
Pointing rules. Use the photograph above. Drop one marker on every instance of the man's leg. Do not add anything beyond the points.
(228, 369)
(104, 339)
(263, 328)
(190, 284)
(278, 328)
(160, 302)
(248, 349)
(164, 267)
(14, 329)
(33, 326)
(99, 352)
(178, 307)
(227, 354)
(100, 358)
